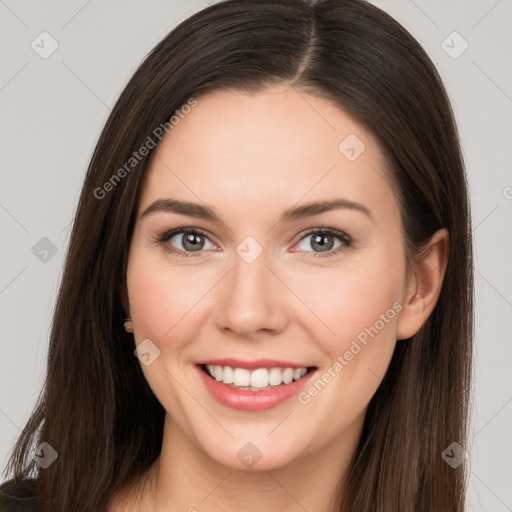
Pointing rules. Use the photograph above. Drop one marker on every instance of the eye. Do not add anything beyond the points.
(185, 242)
(325, 242)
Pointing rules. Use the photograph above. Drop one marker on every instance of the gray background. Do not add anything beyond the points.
(52, 111)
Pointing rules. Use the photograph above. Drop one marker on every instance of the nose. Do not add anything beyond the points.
(252, 299)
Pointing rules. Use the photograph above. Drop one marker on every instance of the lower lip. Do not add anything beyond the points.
(253, 400)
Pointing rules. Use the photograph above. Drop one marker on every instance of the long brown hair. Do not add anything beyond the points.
(96, 408)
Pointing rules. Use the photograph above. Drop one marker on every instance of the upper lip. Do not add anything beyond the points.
(254, 364)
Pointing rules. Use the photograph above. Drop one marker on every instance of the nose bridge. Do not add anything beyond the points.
(250, 300)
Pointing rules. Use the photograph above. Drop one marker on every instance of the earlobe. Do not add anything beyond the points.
(424, 286)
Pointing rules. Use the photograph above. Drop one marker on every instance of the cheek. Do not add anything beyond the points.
(164, 299)
(360, 303)
(352, 297)
(164, 305)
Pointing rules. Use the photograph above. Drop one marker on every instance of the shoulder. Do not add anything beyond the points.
(16, 497)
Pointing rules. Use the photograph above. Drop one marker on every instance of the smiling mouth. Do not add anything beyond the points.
(260, 379)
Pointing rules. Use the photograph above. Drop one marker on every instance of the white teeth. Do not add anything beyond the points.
(260, 378)
(241, 376)
(227, 375)
(275, 377)
(288, 375)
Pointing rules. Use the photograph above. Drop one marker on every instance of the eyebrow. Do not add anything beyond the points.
(295, 213)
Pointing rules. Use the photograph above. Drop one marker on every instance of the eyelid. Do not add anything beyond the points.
(165, 236)
(345, 239)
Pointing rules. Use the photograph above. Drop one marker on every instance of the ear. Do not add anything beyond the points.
(424, 285)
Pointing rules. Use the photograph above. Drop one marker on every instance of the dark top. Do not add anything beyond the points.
(12, 499)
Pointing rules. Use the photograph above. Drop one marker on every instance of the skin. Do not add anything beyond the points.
(250, 157)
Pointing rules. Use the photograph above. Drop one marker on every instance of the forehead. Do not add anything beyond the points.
(264, 152)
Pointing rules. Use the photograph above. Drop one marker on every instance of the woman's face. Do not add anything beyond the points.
(257, 284)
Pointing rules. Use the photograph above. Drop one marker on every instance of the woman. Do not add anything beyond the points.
(275, 223)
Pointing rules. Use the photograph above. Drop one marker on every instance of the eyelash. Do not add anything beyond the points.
(344, 238)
